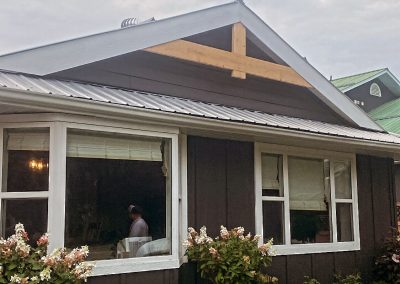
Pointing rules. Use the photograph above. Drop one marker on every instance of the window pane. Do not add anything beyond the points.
(105, 175)
(273, 219)
(30, 212)
(272, 177)
(342, 180)
(344, 222)
(26, 160)
(309, 194)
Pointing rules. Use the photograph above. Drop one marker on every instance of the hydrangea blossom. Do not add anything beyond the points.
(56, 267)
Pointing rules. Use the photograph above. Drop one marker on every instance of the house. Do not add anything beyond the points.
(377, 92)
(208, 118)
(370, 90)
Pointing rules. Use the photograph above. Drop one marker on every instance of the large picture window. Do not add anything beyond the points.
(306, 200)
(113, 187)
(108, 178)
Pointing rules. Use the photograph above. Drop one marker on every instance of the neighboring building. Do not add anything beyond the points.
(378, 93)
(207, 118)
(370, 90)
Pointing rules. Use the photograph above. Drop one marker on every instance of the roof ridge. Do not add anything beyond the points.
(359, 74)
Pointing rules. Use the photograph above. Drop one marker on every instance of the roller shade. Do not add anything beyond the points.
(22, 141)
(271, 171)
(89, 146)
(306, 184)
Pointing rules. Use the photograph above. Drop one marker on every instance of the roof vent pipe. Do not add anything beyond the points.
(129, 22)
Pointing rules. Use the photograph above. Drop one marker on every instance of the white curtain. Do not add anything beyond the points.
(306, 184)
(33, 141)
(105, 147)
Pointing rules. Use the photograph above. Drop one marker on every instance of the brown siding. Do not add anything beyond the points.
(221, 191)
(154, 73)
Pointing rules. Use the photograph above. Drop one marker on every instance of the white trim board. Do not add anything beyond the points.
(56, 57)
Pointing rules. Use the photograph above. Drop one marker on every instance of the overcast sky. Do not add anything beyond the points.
(338, 37)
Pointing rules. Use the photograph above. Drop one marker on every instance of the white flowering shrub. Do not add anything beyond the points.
(231, 257)
(23, 264)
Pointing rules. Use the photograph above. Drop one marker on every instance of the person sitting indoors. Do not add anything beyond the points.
(139, 226)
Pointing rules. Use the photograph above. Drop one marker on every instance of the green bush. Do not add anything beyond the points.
(387, 263)
(309, 280)
(349, 279)
(23, 264)
(230, 258)
(338, 279)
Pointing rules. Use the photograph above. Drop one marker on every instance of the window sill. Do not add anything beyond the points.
(315, 248)
(120, 266)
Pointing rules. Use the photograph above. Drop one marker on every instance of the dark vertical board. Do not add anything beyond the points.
(153, 277)
(191, 180)
(298, 266)
(240, 185)
(397, 181)
(381, 193)
(364, 257)
(109, 279)
(323, 267)
(345, 263)
(278, 268)
(210, 184)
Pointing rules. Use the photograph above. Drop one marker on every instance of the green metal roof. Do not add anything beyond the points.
(346, 83)
(388, 116)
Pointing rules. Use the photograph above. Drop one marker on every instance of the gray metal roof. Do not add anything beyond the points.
(169, 104)
(68, 54)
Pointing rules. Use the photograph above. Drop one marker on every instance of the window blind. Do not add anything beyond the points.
(306, 184)
(89, 146)
(271, 171)
(25, 141)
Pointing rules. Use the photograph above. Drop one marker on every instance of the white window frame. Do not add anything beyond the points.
(285, 151)
(59, 126)
(32, 195)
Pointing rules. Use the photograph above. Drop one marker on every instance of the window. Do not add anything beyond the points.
(76, 180)
(106, 173)
(375, 90)
(25, 182)
(306, 200)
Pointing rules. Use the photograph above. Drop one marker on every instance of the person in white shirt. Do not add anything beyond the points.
(139, 227)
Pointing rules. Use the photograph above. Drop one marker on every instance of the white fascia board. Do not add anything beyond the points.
(51, 103)
(77, 52)
(323, 89)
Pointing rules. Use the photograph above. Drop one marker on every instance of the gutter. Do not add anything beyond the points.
(72, 105)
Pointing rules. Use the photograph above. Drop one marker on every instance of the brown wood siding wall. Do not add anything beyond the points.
(221, 191)
(159, 74)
